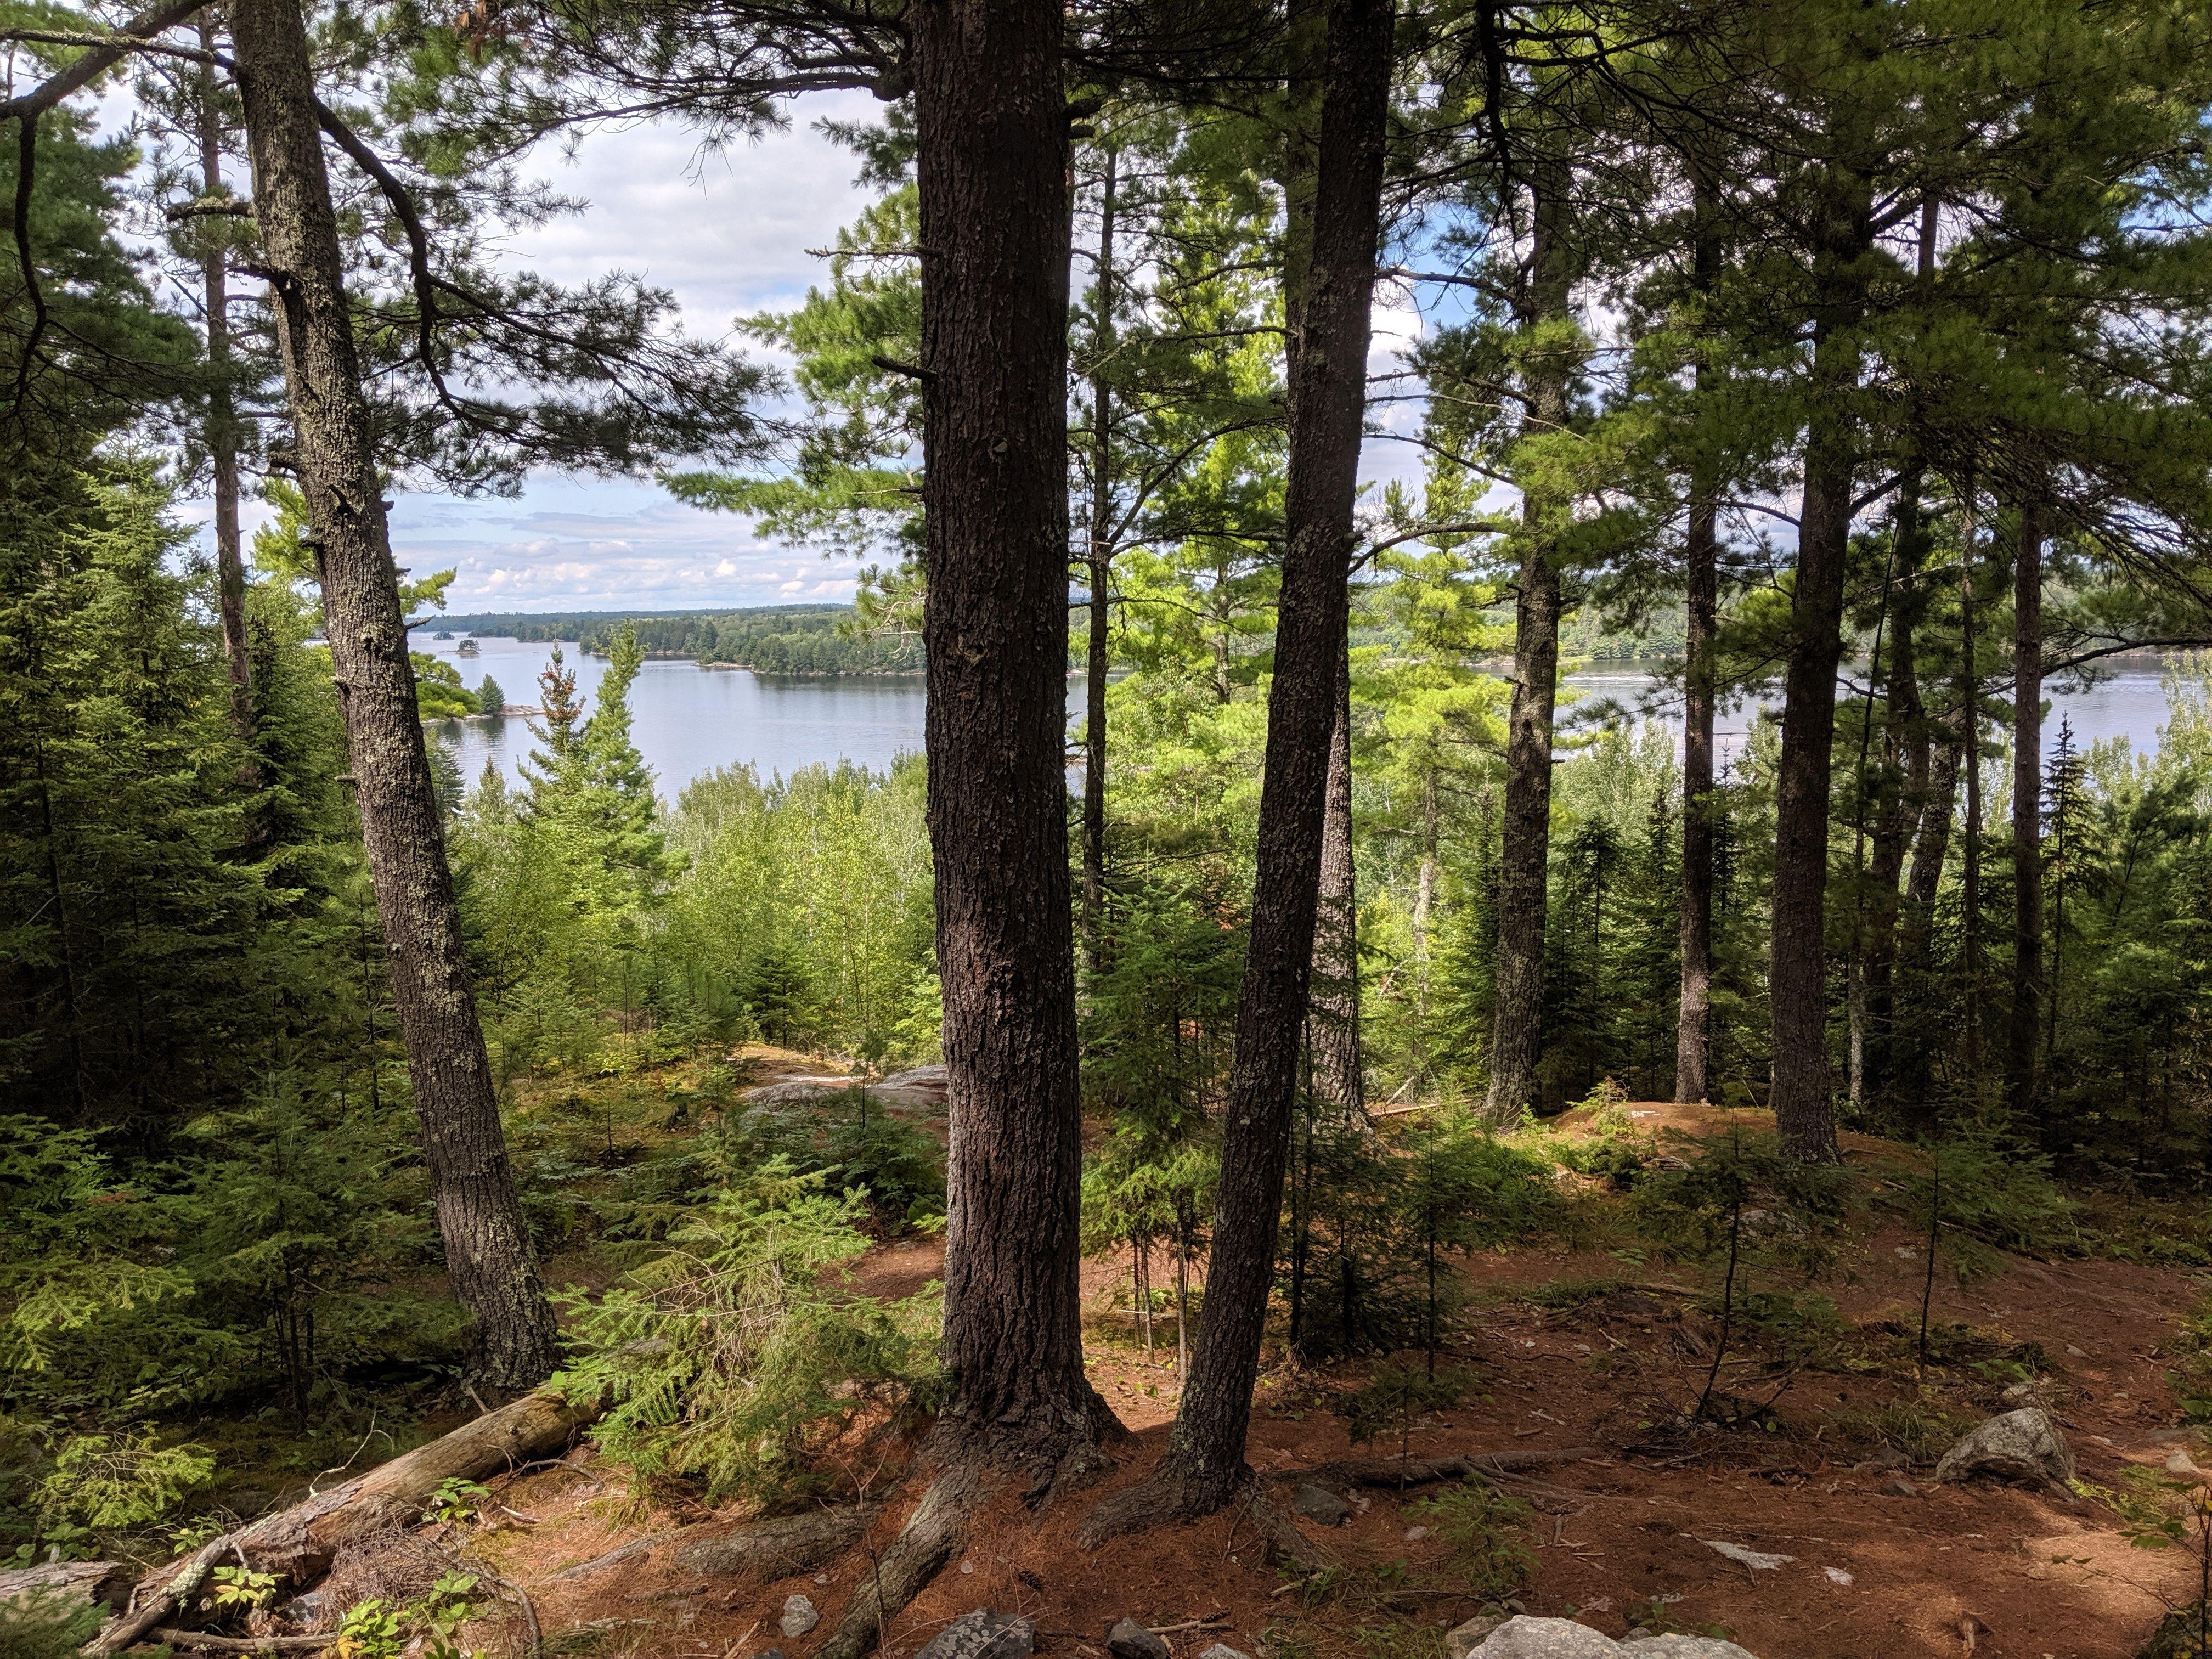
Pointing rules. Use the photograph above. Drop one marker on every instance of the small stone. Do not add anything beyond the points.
(1757, 1560)
(799, 1616)
(1130, 1640)
(2019, 1445)
(1320, 1505)
(1836, 1576)
(1414, 1534)
(982, 1634)
(1223, 1650)
(1898, 1487)
(1466, 1637)
(1524, 1637)
(769, 1653)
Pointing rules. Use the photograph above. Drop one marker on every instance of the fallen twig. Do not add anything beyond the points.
(195, 1638)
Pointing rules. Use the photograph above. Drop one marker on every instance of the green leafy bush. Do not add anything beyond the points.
(738, 1345)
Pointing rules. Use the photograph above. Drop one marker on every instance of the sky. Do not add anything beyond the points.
(727, 233)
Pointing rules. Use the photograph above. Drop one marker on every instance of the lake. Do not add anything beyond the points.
(689, 720)
(2128, 702)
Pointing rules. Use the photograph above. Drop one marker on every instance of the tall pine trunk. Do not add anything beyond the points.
(1518, 1008)
(1700, 699)
(487, 1245)
(1906, 756)
(1970, 842)
(1693, 1036)
(220, 433)
(1335, 990)
(2027, 810)
(1099, 575)
(1803, 1112)
(1205, 1462)
(991, 166)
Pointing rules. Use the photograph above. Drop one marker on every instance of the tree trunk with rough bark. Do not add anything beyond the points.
(488, 1254)
(1693, 1019)
(1099, 573)
(1907, 761)
(2027, 810)
(1335, 993)
(1517, 1010)
(1700, 699)
(1970, 766)
(1803, 1085)
(991, 166)
(1204, 1466)
(222, 434)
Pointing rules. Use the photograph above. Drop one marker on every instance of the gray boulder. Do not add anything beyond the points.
(1526, 1638)
(982, 1634)
(799, 1616)
(1130, 1640)
(1320, 1505)
(2021, 1445)
(1681, 1647)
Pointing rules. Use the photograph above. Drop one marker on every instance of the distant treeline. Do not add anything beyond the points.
(781, 639)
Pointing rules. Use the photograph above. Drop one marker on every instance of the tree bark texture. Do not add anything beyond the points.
(1099, 573)
(221, 432)
(1700, 699)
(1905, 762)
(1970, 766)
(1334, 1002)
(2027, 810)
(1803, 1085)
(1206, 1456)
(1699, 696)
(993, 170)
(488, 1252)
(1517, 1011)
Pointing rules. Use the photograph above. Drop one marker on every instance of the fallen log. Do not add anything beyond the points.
(66, 1580)
(298, 1545)
(1419, 1470)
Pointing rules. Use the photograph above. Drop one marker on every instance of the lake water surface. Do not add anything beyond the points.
(687, 720)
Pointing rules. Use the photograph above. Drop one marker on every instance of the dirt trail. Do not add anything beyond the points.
(1873, 1574)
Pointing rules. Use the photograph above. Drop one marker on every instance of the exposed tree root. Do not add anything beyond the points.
(933, 1534)
(1419, 1470)
(972, 1463)
(1166, 1497)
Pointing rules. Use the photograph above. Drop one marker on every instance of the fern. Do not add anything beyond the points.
(739, 1344)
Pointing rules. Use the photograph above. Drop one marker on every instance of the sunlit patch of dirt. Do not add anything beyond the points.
(1884, 1563)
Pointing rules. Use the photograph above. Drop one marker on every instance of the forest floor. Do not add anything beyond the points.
(1828, 1469)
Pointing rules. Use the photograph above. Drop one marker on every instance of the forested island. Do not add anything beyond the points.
(781, 639)
(1331, 1156)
